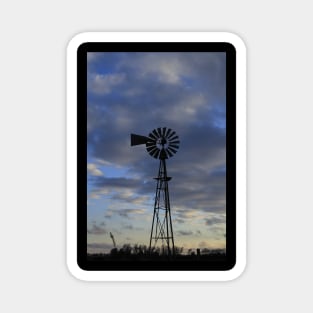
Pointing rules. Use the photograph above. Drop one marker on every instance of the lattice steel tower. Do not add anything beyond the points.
(161, 143)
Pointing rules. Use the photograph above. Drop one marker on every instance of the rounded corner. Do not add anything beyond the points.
(237, 270)
(235, 41)
(76, 271)
(77, 41)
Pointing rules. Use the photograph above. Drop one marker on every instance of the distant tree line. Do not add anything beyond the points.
(137, 249)
(143, 250)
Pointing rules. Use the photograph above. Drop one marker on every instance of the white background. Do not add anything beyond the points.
(33, 273)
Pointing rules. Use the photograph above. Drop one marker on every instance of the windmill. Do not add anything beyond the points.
(161, 143)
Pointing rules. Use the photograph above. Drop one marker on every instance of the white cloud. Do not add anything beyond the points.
(93, 170)
(165, 67)
(92, 56)
(103, 84)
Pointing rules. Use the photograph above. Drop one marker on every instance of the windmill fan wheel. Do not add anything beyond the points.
(163, 143)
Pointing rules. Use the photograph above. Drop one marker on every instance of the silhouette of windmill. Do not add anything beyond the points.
(161, 143)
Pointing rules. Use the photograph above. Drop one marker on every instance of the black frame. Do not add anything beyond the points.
(230, 260)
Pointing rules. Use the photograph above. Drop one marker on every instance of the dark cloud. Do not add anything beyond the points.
(129, 213)
(184, 233)
(179, 220)
(96, 230)
(131, 227)
(116, 182)
(99, 247)
(214, 220)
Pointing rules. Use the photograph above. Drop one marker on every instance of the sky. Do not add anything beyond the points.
(136, 93)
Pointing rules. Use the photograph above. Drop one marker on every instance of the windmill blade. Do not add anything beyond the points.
(164, 130)
(172, 150)
(159, 131)
(167, 133)
(156, 153)
(174, 138)
(172, 134)
(169, 152)
(150, 144)
(151, 149)
(173, 146)
(175, 142)
(153, 136)
(155, 133)
(138, 140)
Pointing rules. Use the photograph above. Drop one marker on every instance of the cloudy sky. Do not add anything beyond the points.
(136, 93)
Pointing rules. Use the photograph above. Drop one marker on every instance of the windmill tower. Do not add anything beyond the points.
(161, 143)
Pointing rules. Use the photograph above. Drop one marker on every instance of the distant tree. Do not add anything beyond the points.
(205, 251)
(154, 251)
(143, 249)
(178, 250)
(136, 249)
(126, 249)
(114, 251)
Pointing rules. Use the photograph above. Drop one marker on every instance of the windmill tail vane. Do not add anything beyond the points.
(161, 143)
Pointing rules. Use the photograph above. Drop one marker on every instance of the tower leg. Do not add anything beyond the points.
(161, 235)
